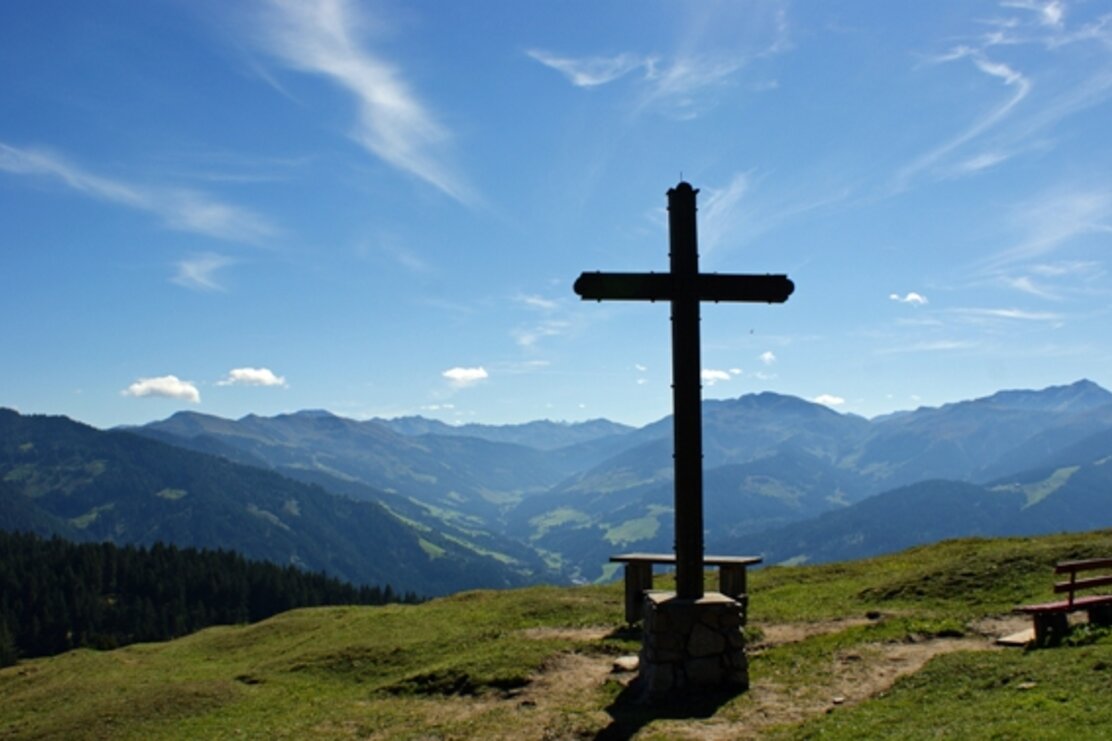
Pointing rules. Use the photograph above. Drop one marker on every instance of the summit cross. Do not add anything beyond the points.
(685, 287)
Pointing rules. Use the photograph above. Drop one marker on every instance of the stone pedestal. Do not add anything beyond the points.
(691, 644)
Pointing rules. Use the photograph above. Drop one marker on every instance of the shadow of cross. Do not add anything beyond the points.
(685, 287)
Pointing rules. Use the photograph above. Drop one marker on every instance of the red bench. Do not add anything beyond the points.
(1052, 618)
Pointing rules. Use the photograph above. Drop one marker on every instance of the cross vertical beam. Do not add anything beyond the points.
(684, 286)
(687, 418)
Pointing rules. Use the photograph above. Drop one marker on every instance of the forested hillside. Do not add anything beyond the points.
(56, 595)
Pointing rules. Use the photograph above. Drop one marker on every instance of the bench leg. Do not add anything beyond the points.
(1100, 615)
(638, 578)
(1050, 628)
(732, 583)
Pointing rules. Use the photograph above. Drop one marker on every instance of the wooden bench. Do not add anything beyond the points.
(639, 577)
(1052, 618)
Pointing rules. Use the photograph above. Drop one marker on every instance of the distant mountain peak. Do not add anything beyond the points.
(313, 414)
(1078, 396)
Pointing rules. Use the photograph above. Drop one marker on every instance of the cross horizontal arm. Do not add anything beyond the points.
(660, 287)
(769, 289)
(625, 286)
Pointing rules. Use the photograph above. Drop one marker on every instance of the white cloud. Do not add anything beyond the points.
(592, 71)
(1018, 314)
(529, 336)
(735, 371)
(1068, 267)
(829, 400)
(716, 42)
(252, 377)
(1055, 281)
(721, 212)
(711, 376)
(538, 302)
(1050, 13)
(982, 161)
(992, 118)
(640, 368)
(675, 83)
(170, 387)
(461, 377)
(928, 346)
(179, 209)
(768, 357)
(911, 297)
(1055, 219)
(198, 272)
(678, 85)
(321, 38)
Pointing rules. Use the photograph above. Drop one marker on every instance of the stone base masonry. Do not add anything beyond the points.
(690, 644)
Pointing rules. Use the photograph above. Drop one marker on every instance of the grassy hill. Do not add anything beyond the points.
(892, 647)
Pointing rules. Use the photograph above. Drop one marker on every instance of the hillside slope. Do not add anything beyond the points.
(1073, 494)
(61, 477)
(536, 663)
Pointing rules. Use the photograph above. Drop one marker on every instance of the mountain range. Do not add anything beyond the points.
(60, 477)
(482, 505)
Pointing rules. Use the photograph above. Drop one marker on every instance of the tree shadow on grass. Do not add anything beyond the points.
(632, 710)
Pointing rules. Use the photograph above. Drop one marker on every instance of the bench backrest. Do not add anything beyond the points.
(1091, 582)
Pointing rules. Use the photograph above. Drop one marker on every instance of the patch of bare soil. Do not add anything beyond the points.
(854, 676)
(571, 634)
(1001, 625)
(777, 634)
(540, 710)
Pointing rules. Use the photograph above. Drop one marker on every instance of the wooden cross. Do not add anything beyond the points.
(685, 287)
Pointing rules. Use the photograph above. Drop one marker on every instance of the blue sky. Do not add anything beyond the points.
(379, 208)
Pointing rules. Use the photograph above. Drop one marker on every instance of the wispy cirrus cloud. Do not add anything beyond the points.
(1053, 220)
(320, 37)
(976, 314)
(199, 272)
(709, 53)
(528, 337)
(934, 160)
(1048, 13)
(1019, 123)
(1054, 280)
(928, 346)
(593, 71)
(178, 208)
(723, 210)
(679, 86)
(740, 210)
(539, 303)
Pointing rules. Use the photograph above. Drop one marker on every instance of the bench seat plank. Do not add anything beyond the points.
(1083, 564)
(639, 577)
(1086, 583)
(1079, 603)
(670, 558)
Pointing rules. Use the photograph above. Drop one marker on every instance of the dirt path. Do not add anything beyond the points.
(855, 675)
